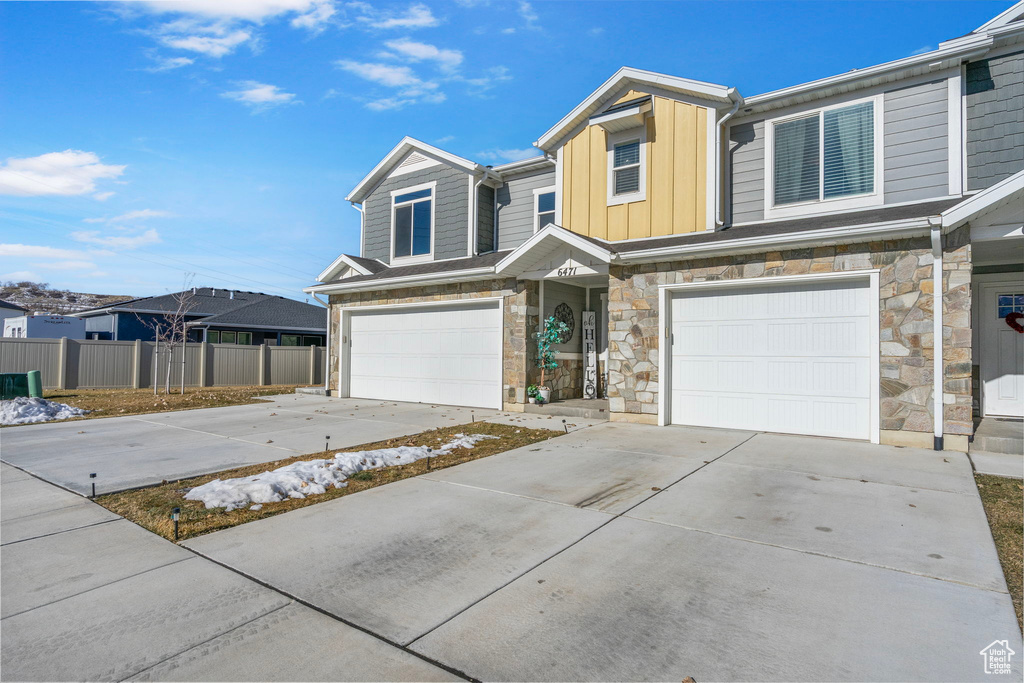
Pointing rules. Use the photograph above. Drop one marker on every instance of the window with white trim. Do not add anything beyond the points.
(627, 159)
(413, 216)
(543, 208)
(824, 156)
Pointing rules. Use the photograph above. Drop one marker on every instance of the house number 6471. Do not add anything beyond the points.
(566, 272)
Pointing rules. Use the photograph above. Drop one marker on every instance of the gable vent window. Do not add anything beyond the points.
(626, 167)
(826, 155)
(413, 215)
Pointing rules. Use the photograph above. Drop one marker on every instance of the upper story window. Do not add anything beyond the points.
(543, 207)
(825, 160)
(412, 221)
(627, 158)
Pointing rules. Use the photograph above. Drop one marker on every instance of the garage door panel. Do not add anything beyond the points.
(784, 358)
(450, 355)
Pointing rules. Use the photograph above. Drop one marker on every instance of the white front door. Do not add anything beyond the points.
(794, 358)
(1002, 350)
(438, 354)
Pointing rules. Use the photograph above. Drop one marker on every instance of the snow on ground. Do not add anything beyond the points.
(312, 477)
(23, 410)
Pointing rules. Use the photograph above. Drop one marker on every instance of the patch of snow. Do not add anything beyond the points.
(313, 477)
(256, 507)
(21, 410)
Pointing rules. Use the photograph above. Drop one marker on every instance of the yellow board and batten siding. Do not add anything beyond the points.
(676, 177)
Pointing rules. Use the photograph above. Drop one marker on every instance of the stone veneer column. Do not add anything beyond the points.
(957, 398)
(521, 314)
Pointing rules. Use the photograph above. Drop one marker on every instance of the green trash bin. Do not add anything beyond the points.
(13, 385)
(35, 383)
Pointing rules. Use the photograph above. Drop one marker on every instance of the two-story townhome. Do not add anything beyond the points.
(839, 258)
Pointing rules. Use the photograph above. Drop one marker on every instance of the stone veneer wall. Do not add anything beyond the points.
(520, 313)
(567, 380)
(906, 333)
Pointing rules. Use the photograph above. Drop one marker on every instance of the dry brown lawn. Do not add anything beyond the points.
(151, 507)
(1004, 504)
(118, 402)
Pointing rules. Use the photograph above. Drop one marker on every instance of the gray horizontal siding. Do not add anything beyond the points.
(995, 119)
(515, 208)
(746, 172)
(915, 143)
(485, 224)
(451, 212)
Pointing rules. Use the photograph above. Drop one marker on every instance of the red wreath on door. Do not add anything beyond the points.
(1014, 321)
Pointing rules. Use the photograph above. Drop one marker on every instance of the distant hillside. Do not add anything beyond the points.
(39, 297)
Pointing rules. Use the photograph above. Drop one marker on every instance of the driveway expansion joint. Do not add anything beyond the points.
(62, 531)
(577, 541)
(404, 648)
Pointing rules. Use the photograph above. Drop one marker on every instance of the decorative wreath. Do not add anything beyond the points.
(1014, 321)
(563, 314)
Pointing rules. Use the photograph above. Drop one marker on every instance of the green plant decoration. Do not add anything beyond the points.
(553, 332)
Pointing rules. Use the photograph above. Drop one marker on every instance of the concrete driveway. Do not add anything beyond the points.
(624, 552)
(127, 452)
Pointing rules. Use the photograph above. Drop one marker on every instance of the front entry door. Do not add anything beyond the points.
(1002, 350)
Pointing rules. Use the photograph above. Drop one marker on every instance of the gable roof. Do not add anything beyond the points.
(546, 241)
(1004, 192)
(271, 312)
(227, 307)
(408, 144)
(360, 264)
(1010, 15)
(628, 77)
(13, 307)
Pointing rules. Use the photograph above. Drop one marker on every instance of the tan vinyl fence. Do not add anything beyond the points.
(94, 364)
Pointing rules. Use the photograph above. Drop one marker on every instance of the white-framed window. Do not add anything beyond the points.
(543, 207)
(829, 159)
(627, 166)
(412, 222)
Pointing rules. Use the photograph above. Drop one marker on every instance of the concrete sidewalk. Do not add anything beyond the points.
(127, 452)
(87, 595)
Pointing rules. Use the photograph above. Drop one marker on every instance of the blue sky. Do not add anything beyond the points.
(141, 141)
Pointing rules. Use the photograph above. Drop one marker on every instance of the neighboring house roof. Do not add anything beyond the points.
(627, 77)
(271, 312)
(227, 307)
(13, 307)
(381, 170)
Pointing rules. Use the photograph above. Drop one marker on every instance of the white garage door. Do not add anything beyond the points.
(779, 358)
(449, 355)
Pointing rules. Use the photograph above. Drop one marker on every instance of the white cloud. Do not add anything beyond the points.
(385, 74)
(446, 138)
(66, 265)
(509, 154)
(417, 16)
(247, 10)
(260, 96)
(21, 276)
(528, 14)
(103, 196)
(150, 236)
(220, 43)
(71, 172)
(170, 63)
(447, 60)
(922, 50)
(33, 251)
(141, 214)
(596, 31)
(491, 77)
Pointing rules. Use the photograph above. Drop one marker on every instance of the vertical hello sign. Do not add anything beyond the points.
(589, 354)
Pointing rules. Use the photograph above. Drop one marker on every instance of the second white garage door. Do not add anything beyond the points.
(778, 358)
(449, 355)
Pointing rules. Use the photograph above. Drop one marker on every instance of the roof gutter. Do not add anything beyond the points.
(408, 280)
(869, 231)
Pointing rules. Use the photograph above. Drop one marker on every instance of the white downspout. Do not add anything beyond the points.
(719, 185)
(937, 343)
(327, 351)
